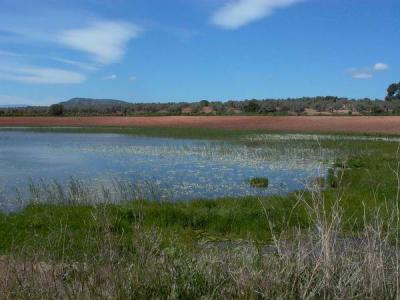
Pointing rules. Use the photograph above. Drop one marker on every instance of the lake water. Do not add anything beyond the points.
(178, 169)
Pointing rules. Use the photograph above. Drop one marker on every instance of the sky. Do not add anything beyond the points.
(189, 50)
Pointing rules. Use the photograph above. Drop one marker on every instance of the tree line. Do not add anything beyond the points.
(290, 106)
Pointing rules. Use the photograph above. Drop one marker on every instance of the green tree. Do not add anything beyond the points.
(268, 107)
(393, 92)
(204, 103)
(251, 106)
(57, 110)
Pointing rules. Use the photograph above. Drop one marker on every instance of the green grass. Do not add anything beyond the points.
(39, 226)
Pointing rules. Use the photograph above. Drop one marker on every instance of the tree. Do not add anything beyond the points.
(251, 106)
(204, 103)
(57, 110)
(393, 92)
(175, 109)
(267, 107)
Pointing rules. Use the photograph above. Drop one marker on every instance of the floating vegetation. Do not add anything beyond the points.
(259, 182)
(317, 137)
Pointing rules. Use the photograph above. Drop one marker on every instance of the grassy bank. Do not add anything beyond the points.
(337, 239)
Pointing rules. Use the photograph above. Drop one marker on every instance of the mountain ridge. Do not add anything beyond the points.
(90, 102)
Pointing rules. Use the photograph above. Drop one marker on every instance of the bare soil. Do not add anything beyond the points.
(342, 124)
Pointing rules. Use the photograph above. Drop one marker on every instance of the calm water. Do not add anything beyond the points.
(180, 169)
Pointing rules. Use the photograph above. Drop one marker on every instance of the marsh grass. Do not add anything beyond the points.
(78, 192)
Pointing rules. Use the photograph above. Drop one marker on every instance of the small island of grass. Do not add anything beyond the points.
(259, 182)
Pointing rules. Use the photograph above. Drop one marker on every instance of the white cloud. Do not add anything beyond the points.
(367, 73)
(381, 66)
(111, 77)
(237, 13)
(36, 75)
(105, 41)
(132, 78)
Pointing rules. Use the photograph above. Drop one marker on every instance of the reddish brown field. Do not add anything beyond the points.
(384, 125)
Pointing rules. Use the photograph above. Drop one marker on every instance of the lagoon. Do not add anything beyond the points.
(176, 169)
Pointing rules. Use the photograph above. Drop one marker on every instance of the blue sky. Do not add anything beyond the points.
(188, 50)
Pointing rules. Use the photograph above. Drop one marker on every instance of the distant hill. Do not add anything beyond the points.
(89, 103)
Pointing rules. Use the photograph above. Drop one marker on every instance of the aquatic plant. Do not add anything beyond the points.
(259, 182)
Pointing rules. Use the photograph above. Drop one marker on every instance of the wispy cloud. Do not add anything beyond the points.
(66, 47)
(12, 54)
(37, 75)
(111, 77)
(105, 41)
(132, 78)
(80, 65)
(367, 73)
(237, 13)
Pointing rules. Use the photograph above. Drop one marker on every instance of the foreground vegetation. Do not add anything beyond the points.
(337, 239)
